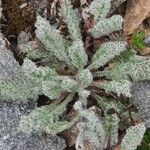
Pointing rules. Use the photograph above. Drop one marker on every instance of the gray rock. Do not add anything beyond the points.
(141, 97)
(12, 139)
(9, 67)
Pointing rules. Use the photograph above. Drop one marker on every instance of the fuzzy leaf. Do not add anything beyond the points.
(106, 104)
(32, 52)
(133, 137)
(52, 89)
(20, 90)
(69, 85)
(100, 9)
(85, 78)
(106, 26)
(138, 69)
(51, 38)
(106, 52)
(71, 19)
(77, 55)
(119, 87)
(32, 71)
(111, 127)
(46, 118)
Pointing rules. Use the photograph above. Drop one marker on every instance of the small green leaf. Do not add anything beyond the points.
(138, 40)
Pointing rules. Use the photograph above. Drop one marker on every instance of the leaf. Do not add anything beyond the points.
(111, 127)
(77, 55)
(20, 90)
(71, 19)
(51, 38)
(106, 26)
(106, 52)
(69, 85)
(85, 78)
(52, 89)
(133, 137)
(119, 87)
(40, 73)
(138, 40)
(100, 9)
(46, 118)
(138, 68)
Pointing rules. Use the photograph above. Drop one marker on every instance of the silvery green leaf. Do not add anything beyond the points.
(111, 127)
(51, 38)
(100, 8)
(71, 19)
(106, 52)
(46, 118)
(133, 137)
(32, 71)
(85, 78)
(52, 89)
(106, 26)
(31, 49)
(77, 55)
(69, 85)
(20, 90)
(119, 87)
(138, 68)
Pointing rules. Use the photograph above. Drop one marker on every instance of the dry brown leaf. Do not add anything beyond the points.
(145, 51)
(137, 11)
(118, 147)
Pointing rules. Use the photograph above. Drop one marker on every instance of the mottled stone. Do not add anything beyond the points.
(12, 139)
(9, 67)
(141, 97)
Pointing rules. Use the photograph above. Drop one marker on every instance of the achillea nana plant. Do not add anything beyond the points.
(79, 79)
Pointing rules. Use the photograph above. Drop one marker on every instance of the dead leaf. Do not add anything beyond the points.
(145, 51)
(118, 147)
(137, 11)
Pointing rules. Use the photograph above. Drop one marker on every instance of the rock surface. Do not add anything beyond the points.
(141, 98)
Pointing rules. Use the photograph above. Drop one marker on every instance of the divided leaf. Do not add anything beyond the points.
(106, 26)
(133, 137)
(138, 69)
(51, 38)
(100, 8)
(119, 87)
(52, 89)
(71, 19)
(106, 52)
(46, 118)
